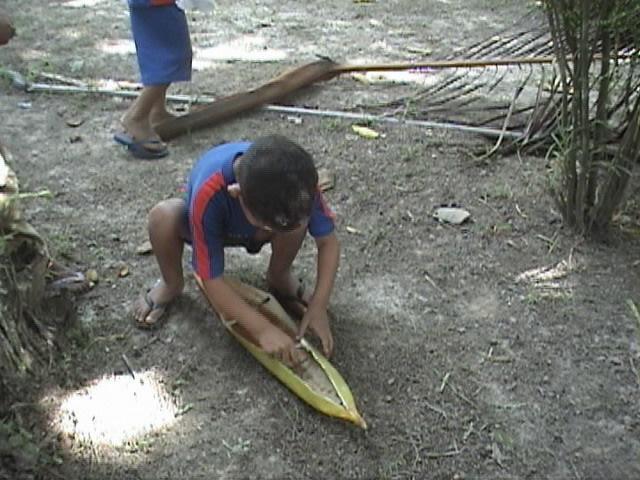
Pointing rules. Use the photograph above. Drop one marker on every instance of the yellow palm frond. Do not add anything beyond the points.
(317, 382)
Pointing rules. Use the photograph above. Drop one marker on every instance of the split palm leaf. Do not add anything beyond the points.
(316, 381)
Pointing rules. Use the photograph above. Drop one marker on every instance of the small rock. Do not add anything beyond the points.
(295, 120)
(145, 248)
(76, 122)
(453, 215)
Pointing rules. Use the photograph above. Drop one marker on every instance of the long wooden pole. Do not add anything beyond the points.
(442, 64)
(230, 106)
(306, 75)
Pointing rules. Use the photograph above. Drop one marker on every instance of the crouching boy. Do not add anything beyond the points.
(247, 194)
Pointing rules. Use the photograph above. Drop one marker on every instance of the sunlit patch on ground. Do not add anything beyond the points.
(116, 409)
(117, 47)
(82, 3)
(248, 48)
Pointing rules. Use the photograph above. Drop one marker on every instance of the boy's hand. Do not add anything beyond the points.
(280, 346)
(318, 320)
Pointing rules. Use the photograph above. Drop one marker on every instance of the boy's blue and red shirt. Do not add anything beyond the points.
(150, 3)
(216, 219)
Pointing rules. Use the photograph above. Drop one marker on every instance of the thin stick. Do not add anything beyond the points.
(193, 100)
(461, 396)
(63, 79)
(126, 362)
(575, 470)
(432, 282)
(468, 432)
(489, 132)
(442, 64)
(436, 409)
(444, 382)
(450, 453)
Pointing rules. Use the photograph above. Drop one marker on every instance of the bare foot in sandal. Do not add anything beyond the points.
(149, 310)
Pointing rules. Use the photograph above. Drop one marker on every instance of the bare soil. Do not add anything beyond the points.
(505, 347)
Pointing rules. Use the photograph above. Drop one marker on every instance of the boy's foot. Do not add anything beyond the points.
(149, 311)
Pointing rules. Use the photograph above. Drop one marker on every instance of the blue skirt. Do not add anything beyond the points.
(163, 45)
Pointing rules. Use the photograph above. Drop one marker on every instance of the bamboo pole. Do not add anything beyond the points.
(443, 64)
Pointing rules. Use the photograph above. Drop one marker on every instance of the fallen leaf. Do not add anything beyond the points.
(365, 131)
(123, 272)
(355, 231)
(422, 51)
(361, 78)
(92, 276)
(145, 248)
(75, 122)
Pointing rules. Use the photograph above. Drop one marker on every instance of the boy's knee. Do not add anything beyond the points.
(167, 212)
(171, 206)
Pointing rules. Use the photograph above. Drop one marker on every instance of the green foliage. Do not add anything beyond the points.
(20, 455)
(596, 45)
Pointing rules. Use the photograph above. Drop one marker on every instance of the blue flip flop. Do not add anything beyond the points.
(138, 149)
(153, 306)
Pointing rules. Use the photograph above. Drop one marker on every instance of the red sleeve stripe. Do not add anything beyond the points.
(206, 192)
(325, 208)
(161, 3)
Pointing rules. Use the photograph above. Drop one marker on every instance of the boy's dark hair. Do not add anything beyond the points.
(278, 180)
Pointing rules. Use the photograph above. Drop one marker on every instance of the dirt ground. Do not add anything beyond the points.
(501, 348)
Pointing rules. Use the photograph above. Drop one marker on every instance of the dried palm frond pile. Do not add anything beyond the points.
(512, 85)
(26, 317)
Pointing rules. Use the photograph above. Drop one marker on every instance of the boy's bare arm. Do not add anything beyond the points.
(233, 307)
(316, 315)
(327, 267)
(268, 337)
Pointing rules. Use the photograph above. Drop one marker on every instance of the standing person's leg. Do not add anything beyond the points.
(163, 48)
(137, 121)
(159, 112)
(167, 235)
